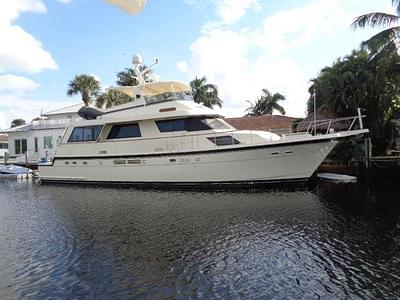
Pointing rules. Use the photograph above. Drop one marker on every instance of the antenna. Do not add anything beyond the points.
(315, 113)
(140, 70)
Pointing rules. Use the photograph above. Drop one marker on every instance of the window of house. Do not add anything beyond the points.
(48, 142)
(124, 131)
(21, 146)
(85, 134)
(4, 146)
(223, 140)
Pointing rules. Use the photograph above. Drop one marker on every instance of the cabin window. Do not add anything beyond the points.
(223, 140)
(36, 145)
(124, 131)
(85, 134)
(4, 146)
(190, 124)
(21, 146)
(171, 125)
(48, 142)
(197, 124)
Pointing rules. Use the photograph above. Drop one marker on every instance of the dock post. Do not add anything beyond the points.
(5, 158)
(26, 159)
(360, 118)
(368, 152)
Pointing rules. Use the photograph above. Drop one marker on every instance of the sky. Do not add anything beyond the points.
(242, 46)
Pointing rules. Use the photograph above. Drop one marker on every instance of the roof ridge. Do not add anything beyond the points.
(54, 110)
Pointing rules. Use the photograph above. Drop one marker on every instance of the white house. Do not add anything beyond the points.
(39, 139)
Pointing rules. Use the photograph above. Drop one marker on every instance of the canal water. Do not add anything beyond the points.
(69, 242)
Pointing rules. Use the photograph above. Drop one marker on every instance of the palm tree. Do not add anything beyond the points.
(384, 42)
(111, 98)
(205, 93)
(17, 122)
(266, 104)
(127, 76)
(86, 85)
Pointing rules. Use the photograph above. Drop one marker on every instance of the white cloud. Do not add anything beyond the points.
(12, 83)
(65, 1)
(20, 51)
(11, 9)
(280, 54)
(297, 27)
(231, 11)
(182, 66)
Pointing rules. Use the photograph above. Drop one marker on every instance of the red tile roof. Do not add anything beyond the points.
(261, 122)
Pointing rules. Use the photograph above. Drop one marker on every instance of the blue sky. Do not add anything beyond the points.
(240, 45)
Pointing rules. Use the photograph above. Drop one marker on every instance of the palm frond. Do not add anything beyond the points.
(396, 4)
(375, 19)
(279, 108)
(277, 97)
(384, 39)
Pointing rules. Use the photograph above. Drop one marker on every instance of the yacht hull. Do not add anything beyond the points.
(291, 162)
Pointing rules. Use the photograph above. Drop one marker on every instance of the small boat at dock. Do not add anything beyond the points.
(337, 178)
(13, 169)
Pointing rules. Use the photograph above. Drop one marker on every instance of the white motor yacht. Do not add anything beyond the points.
(164, 138)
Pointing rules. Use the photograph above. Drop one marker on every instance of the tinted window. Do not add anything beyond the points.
(195, 124)
(83, 134)
(171, 125)
(124, 131)
(223, 140)
(190, 124)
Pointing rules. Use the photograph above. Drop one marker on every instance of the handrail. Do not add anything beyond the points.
(313, 125)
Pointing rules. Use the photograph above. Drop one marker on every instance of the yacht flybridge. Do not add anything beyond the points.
(164, 138)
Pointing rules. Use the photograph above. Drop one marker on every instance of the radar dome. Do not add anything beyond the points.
(137, 59)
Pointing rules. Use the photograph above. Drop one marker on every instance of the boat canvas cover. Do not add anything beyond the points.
(155, 88)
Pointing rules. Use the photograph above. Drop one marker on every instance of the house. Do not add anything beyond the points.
(275, 123)
(3, 144)
(38, 140)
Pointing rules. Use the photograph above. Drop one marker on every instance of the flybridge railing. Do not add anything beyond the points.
(329, 125)
(320, 127)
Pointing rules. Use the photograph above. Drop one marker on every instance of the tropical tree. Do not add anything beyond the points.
(17, 122)
(386, 41)
(205, 93)
(127, 76)
(111, 98)
(266, 104)
(86, 85)
(358, 80)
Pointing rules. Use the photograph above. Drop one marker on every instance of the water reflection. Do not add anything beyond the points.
(75, 242)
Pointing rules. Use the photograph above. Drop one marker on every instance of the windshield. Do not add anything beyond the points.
(168, 96)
